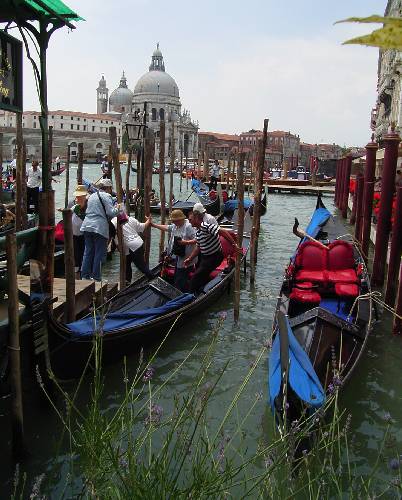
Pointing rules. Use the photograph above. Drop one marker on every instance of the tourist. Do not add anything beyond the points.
(106, 168)
(58, 162)
(181, 241)
(209, 249)
(34, 180)
(215, 175)
(12, 168)
(133, 244)
(100, 211)
(79, 211)
(199, 208)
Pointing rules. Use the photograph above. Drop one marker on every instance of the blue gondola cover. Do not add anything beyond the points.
(302, 377)
(123, 320)
(232, 205)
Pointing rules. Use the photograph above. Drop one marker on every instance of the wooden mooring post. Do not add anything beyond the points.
(240, 228)
(20, 217)
(391, 143)
(80, 162)
(171, 167)
(67, 187)
(395, 253)
(359, 205)
(186, 175)
(369, 181)
(17, 413)
(119, 191)
(345, 186)
(255, 231)
(162, 193)
(1, 166)
(129, 160)
(69, 266)
(149, 163)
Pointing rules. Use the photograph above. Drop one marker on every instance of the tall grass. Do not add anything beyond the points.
(140, 450)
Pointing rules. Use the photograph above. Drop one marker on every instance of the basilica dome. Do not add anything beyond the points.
(121, 97)
(157, 81)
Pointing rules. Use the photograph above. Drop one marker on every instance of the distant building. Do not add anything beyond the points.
(159, 92)
(219, 145)
(69, 129)
(388, 107)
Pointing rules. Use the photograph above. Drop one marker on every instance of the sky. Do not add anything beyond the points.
(235, 62)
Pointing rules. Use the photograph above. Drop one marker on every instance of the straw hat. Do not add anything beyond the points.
(177, 215)
(80, 190)
(199, 208)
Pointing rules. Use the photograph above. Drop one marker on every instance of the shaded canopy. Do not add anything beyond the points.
(36, 10)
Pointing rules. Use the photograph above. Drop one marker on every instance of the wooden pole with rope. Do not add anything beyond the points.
(240, 227)
(119, 191)
(67, 187)
(162, 193)
(255, 231)
(149, 145)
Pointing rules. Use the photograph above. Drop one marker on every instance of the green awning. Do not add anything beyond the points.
(35, 10)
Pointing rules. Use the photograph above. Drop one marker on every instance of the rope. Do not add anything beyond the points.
(375, 296)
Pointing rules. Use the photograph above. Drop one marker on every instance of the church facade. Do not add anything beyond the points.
(158, 93)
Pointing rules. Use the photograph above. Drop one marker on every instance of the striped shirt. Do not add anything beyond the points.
(207, 237)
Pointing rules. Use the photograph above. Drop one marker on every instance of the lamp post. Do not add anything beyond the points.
(135, 134)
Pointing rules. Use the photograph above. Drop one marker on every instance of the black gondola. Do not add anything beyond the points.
(142, 313)
(211, 206)
(322, 320)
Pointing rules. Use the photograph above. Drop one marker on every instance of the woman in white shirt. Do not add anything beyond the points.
(133, 245)
(79, 210)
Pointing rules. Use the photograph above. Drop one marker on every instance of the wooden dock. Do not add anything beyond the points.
(86, 292)
(306, 190)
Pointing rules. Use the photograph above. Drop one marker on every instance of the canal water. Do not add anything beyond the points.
(374, 390)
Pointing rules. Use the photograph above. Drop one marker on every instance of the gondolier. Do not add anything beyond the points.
(215, 173)
(209, 249)
(206, 217)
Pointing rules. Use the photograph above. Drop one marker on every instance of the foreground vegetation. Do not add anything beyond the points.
(140, 450)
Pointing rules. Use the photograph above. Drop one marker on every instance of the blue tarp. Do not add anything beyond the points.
(302, 376)
(319, 218)
(121, 320)
(232, 205)
(199, 187)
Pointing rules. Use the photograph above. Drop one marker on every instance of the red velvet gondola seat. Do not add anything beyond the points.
(341, 263)
(311, 262)
(346, 290)
(304, 293)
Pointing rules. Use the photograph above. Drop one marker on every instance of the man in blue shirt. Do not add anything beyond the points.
(100, 211)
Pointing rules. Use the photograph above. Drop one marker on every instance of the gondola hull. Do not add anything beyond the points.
(330, 319)
(69, 355)
(211, 206)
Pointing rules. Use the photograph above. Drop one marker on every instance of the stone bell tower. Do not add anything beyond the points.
(102, 96)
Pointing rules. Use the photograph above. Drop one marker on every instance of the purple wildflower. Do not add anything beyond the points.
(149, 373)
(337, 380)
(155, 415)
(394, 464)
(222, 315)
(331, 388)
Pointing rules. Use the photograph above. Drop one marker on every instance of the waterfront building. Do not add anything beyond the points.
(388, 108)
(160, 93)
(69, 129)
(219, 145)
